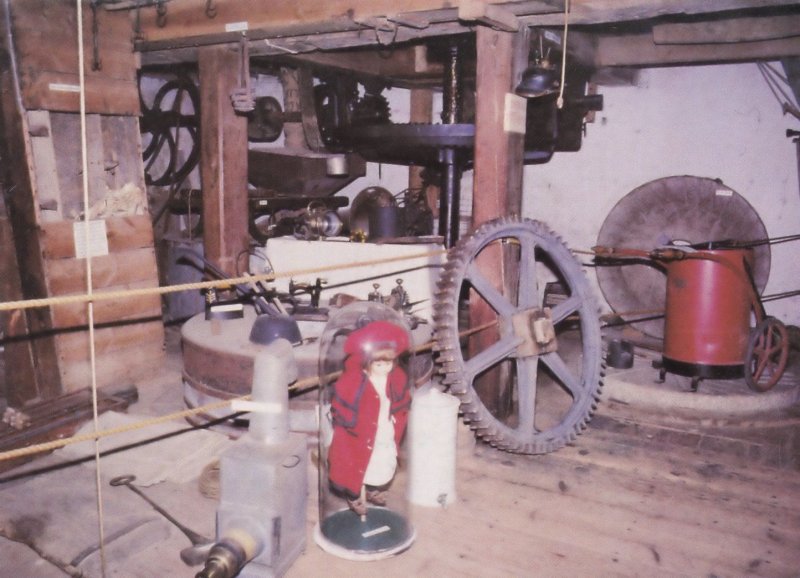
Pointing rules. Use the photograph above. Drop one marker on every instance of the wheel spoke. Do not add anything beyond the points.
(528, 283)
(566, 308)
(526, 393)
(562, 373)
(490, 356)
(482, 285)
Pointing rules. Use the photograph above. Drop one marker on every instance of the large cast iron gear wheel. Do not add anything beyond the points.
(545, 349)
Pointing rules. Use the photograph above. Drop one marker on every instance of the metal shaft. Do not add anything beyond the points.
(450, 197)
(195, 538)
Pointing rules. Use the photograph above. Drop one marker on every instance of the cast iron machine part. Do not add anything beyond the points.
(192, 555)
(261, 297)
(273, 215)
(447, 146)
(450, 197)
(166, 125)
(729, 275)
(261, 519)
(554, 350)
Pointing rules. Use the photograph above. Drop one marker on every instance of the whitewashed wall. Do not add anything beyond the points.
(712, 121)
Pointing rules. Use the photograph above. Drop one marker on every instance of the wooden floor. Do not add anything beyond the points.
(639, 494)
(628, 499)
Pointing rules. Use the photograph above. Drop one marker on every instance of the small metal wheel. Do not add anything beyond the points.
(767, 355)
(539, 342)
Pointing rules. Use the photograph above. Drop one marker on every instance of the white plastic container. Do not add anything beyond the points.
(433, 428)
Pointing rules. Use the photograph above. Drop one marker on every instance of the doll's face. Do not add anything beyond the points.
(381, 367)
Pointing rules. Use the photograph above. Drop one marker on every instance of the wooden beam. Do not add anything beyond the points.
(187, 18)
(591, 12)
(491, 15)
(497, 181)
(640, 50)
(33, 360)
(404, 68)
(422, 112)
(728, 31)
(223, 158)
(45, 38)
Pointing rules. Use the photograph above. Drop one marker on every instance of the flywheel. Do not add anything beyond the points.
(514, 312)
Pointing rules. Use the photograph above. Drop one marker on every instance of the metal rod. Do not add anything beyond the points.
(450, 197)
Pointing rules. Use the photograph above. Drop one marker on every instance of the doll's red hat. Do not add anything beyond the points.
(377, 336)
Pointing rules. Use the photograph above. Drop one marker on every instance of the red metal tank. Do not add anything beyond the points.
(707, 316)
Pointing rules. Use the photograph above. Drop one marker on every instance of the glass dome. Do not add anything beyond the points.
(365, 399)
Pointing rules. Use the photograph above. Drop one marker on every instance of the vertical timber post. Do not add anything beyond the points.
(497, 186)
(223, 158)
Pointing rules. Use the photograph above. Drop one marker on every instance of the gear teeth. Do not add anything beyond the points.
(448, 343)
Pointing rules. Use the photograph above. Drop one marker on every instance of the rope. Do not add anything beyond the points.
(560, 100)
(299, 385)
(106, 295)
(89, 291)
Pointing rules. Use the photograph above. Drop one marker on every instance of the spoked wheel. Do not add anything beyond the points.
(538, 342)
(767, 355)
(170, 136)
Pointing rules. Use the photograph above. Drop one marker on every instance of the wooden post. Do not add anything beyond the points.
(422, 111)
(497, 188)
(31, 364)
(497, 180)
(223, 158)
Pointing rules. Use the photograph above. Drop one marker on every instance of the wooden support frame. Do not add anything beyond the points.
(223, 158)
(497, 182)
(49, 348)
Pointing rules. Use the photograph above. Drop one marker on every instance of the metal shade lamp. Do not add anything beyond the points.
(538, 81)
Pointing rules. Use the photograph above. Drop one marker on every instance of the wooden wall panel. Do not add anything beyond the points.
(45, 167)
(68, 276)
(122, 144)
(106, 312)
(46, 45)
(108, 341)
(19, 363)
(43, 132)
(41, 380)
(114, 158)
(123, 234)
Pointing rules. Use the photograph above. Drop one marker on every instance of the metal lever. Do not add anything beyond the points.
(195, 538)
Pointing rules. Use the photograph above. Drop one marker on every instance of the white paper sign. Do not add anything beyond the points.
(516, 113)
(98, 239)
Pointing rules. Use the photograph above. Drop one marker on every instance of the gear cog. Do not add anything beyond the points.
(541, 344)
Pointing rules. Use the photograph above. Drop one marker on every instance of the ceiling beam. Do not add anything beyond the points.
(593, 12)
(728, 31)
(186, 22)
(641, 50)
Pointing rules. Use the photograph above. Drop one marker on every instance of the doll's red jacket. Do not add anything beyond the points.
(354, 408)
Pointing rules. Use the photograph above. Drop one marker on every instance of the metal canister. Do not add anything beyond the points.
(707, 317)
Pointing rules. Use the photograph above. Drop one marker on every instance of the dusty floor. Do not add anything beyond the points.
(646, 491)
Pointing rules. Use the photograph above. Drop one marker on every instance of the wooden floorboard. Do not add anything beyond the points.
(612, 504)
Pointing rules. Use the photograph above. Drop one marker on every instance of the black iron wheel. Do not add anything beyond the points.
(169, 127)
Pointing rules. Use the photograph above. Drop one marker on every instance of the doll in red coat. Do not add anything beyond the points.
(369, 407)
